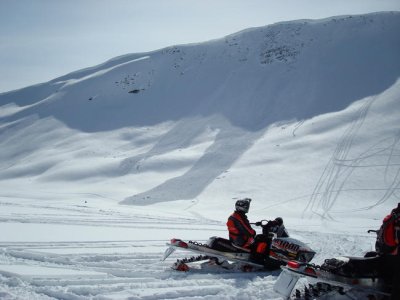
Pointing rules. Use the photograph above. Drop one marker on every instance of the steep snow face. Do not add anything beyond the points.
(269, 113)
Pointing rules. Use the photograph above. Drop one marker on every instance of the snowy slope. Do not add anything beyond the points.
(301, 116)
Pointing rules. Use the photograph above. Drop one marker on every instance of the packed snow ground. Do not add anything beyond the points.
(101, 167)
(100, 251)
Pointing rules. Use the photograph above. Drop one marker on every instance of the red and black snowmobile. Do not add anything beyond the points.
(220, 252)
(368, 277)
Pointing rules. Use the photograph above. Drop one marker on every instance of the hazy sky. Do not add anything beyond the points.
(44, 39)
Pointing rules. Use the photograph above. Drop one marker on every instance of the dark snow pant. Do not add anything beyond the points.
(260, 249)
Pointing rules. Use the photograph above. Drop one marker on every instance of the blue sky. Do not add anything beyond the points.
(43, 39)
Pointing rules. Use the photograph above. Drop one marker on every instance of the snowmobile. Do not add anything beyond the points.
(220, 252)
(346, 277)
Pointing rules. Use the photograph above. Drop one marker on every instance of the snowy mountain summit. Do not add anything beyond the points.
(302, 116)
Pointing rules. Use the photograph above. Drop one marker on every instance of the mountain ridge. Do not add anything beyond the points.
(176, 120)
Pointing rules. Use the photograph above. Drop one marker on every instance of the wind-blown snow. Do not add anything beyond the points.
(100, 167)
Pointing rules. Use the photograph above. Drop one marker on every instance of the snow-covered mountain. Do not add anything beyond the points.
(301, 116)
(249, 114)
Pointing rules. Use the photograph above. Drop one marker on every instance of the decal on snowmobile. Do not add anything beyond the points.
(287, 245)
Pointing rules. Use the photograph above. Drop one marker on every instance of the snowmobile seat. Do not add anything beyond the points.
(364, 267)
(224, 245)
(381, 266)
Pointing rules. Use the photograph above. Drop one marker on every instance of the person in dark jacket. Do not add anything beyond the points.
(241, 233)
(388, 249)
(388, 239)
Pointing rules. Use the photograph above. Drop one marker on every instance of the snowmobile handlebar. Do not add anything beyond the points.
(266, 226)
(264, 223)
(374, 231)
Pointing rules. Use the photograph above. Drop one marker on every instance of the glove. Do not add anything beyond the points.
(258, 223)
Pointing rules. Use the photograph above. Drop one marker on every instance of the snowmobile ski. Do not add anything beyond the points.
(209, 253)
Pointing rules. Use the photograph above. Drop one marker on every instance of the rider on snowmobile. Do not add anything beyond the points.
(388, 249)
(388, 239)
(241, 234)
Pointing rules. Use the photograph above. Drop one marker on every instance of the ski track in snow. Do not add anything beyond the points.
(132, 268)
(342, 165)
(125, 271)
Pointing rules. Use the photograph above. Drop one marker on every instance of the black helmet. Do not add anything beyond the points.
(279, 221)
(243, 205)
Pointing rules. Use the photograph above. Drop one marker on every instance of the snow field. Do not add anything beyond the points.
(109, 257)
(135, 275)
